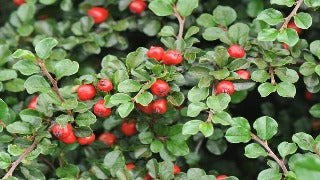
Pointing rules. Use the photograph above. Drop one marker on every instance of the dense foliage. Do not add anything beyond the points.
(159, 89)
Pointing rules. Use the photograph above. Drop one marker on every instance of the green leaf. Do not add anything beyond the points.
(224, 15)
(156, 146)
(31, 116)
(129, 85)
(286, 148)
(47, 2)
(191, 31)
(304, 141)
(26, 67)
(195, 173)
(191, 127)
(19, 128)
(194, 109)
(3, 109)
(15, 150)
(288, 36)
(25, 30)
(271, 16)
(5, 160)
(307, 68)
(125, 109)
(161, 7)
(254, 150)
(214, 33)
(286, 89)
(270, 174)
(178, 148)
(24, 54)
(206, 20)
(144, 98)
(307, 168)
(152, 167)
(260, 76)
(303, 20)
(166, 170)
(119, 98)
(206, 129)
(36, 83)
(288, 3)
(287, 75)
(185, 7)
(8, 74)
(265, 89)
(315, 110)
(238, 32)
(315, 48)
(16, 85)
(136, 58)
(64, 119)
(68, 171)
(217, 147)
(26, 12)
(255, 7)
(269, 34)
(86, 119)
(65, 67)
(218, 103)
(238, 134)
(197, 94)
(222, 118)
(167, 31)
(145, 137)
(66, 5)
(114, 161)
(176, 98)
(82, 131)
(266, 127)
(45, 46)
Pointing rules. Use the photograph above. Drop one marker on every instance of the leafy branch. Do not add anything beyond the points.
(181, 22)
(293, 13)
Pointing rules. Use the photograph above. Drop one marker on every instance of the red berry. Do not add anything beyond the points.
(155, 52)
(19, 2)
(61, 132)
(244, 74)
(33, 103)
(148, 177)
(146, 109)
(86, 92)
(308, 95)
(130, 166)
(70, 139)
(137, 6)
(128, 128)
(86, 140)
(101, 111)
(176, 169)
(225, 87)
(160, 88)
(172, 57)
(159, 106)
(105, 85)
(99, 14)
(292, 25)
(108, 138)
(286, 46)
(220, 177)
(236, 51)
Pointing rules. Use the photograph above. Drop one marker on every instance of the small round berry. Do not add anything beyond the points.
(225, 87)
(146, 109)
(105, 85)
(236, 51)
(33, 103)
(137, 6)
(155, 52)
(159, 106)
(130, 166)
(61, 132)
(292, 25)
(19, 2)
(101, 111)
(128, 128)
(176, 169)
(308, 95)
(286, 46)
(160, 88)
(86, 92)
(172, 57)
(86, 140)
(98, 14)
(70, 139)
(108, 138)
(220, 177)
(243, 74)
(148, 177)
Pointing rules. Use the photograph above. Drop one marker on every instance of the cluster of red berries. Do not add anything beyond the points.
(171, 57)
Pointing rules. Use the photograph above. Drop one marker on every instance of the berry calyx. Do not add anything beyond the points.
(225, 87)
(236, 51)
(146, 109)
(160, 88)
(86, 140)
(292, 25)
(155, 52)
(99, 109)
(137, 6)
(128, 128)
(220, 177)
(86, 92)
(19, 2)
(108, 138)
(61, 132)
(105, 85)
(33, 103)
(176, 169)
(286, 46)
(172, 57)
(70, 139)
(130, 166)
(98, 14)
(243, 74)
(159, 106)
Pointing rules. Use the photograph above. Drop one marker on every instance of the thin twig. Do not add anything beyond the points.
(18, 161)
(270, 152)
(181, 22)
(293, 13)
(134, 99)
(271, 72)
(316, 150)
(46, 161)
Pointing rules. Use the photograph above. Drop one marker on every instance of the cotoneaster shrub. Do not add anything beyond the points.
(159, 89)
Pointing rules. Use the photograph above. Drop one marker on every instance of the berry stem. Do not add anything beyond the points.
(181, 22)
(270, 152)
(293, 13)
(271, 72)
(18, 161)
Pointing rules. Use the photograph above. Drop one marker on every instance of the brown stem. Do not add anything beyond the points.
(271, 72)
(316, 150)
(293, 13)
(270, 152)
(135, 97)
(18, 161)
(47, 162)
(181, 22)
